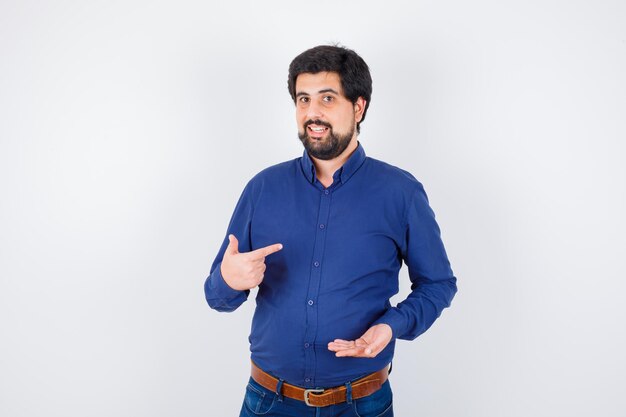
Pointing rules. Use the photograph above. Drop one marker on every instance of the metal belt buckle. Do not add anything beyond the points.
(309, 391)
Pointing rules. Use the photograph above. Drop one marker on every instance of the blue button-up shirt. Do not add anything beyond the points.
(342, 249)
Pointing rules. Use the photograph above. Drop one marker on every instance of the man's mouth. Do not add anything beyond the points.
(317, 128)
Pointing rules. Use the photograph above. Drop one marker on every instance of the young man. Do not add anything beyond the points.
(323, 237)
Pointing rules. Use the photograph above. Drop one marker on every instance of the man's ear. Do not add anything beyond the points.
(359, 108)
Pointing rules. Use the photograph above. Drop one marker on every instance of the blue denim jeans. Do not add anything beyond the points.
(259, 401)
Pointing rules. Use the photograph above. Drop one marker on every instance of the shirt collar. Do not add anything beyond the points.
(353, 163)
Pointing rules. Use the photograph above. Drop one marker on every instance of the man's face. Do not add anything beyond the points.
(326, 119)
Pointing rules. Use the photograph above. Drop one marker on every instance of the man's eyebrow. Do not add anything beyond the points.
(325, 90)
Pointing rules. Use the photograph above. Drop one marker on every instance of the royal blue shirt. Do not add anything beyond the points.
(342, 249)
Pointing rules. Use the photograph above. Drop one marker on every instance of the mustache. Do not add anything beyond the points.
(317, 122)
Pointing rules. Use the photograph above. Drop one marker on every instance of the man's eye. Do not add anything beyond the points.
(304, 99)
(328, 99)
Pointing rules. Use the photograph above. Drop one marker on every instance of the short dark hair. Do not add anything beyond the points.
(353, 71)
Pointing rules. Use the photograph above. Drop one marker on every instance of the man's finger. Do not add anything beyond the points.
(233, 245)
(357, 348)
(357, 352)
(338, 344)
(335, 347)
(263, 252)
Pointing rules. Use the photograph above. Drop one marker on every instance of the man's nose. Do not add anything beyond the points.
(314, 111)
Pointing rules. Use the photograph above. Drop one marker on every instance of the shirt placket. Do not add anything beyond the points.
(314, 287)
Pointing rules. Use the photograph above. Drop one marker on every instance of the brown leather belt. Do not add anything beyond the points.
(322, 397)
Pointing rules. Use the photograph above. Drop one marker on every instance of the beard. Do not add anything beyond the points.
(326, 148)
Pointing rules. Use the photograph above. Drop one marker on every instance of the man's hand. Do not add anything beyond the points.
(375, 339)
(243, 271)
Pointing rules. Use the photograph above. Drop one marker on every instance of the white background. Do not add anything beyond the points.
(128, 130)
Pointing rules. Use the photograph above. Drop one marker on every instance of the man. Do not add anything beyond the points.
(323, 237)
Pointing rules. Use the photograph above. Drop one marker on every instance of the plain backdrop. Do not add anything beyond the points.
(129, 128)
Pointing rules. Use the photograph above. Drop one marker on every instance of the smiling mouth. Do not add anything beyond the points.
(317, 129)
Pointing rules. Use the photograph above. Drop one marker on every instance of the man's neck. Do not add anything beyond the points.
(324, 170)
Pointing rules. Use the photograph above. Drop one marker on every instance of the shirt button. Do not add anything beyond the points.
(322, 226)
(310, 302)
(307, 379)
(326, 192)
(306, 345)
(316, 264)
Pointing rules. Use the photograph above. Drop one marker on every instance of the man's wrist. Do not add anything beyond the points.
(221, 285)
(394, 320)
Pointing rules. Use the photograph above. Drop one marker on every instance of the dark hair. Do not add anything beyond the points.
(353, 71)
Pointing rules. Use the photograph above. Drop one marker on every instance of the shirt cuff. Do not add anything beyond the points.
(395, 319)
(218, 286)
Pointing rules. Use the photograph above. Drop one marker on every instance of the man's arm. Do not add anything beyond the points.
(432, 289)
(237, 269)
(433, 284)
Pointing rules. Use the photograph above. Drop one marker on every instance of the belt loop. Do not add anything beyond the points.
(279, 390)
(349, 392)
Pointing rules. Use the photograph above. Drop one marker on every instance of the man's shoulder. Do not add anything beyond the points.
(277, 172)
(392, 175)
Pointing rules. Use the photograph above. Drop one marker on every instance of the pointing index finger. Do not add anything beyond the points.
(265, 251)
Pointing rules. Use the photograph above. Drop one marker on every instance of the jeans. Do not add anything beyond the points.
(260, 401)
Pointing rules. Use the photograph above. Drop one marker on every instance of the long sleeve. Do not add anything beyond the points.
(218, 294)
(433, 284)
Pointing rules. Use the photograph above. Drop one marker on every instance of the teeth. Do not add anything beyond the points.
(317, 129)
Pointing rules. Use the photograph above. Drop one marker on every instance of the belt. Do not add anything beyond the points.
(322, 397)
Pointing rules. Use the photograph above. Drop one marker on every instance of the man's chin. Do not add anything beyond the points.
(318, 152)
(316, 139)
(315, 143)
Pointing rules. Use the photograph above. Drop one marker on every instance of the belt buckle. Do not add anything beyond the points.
(309, 391)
